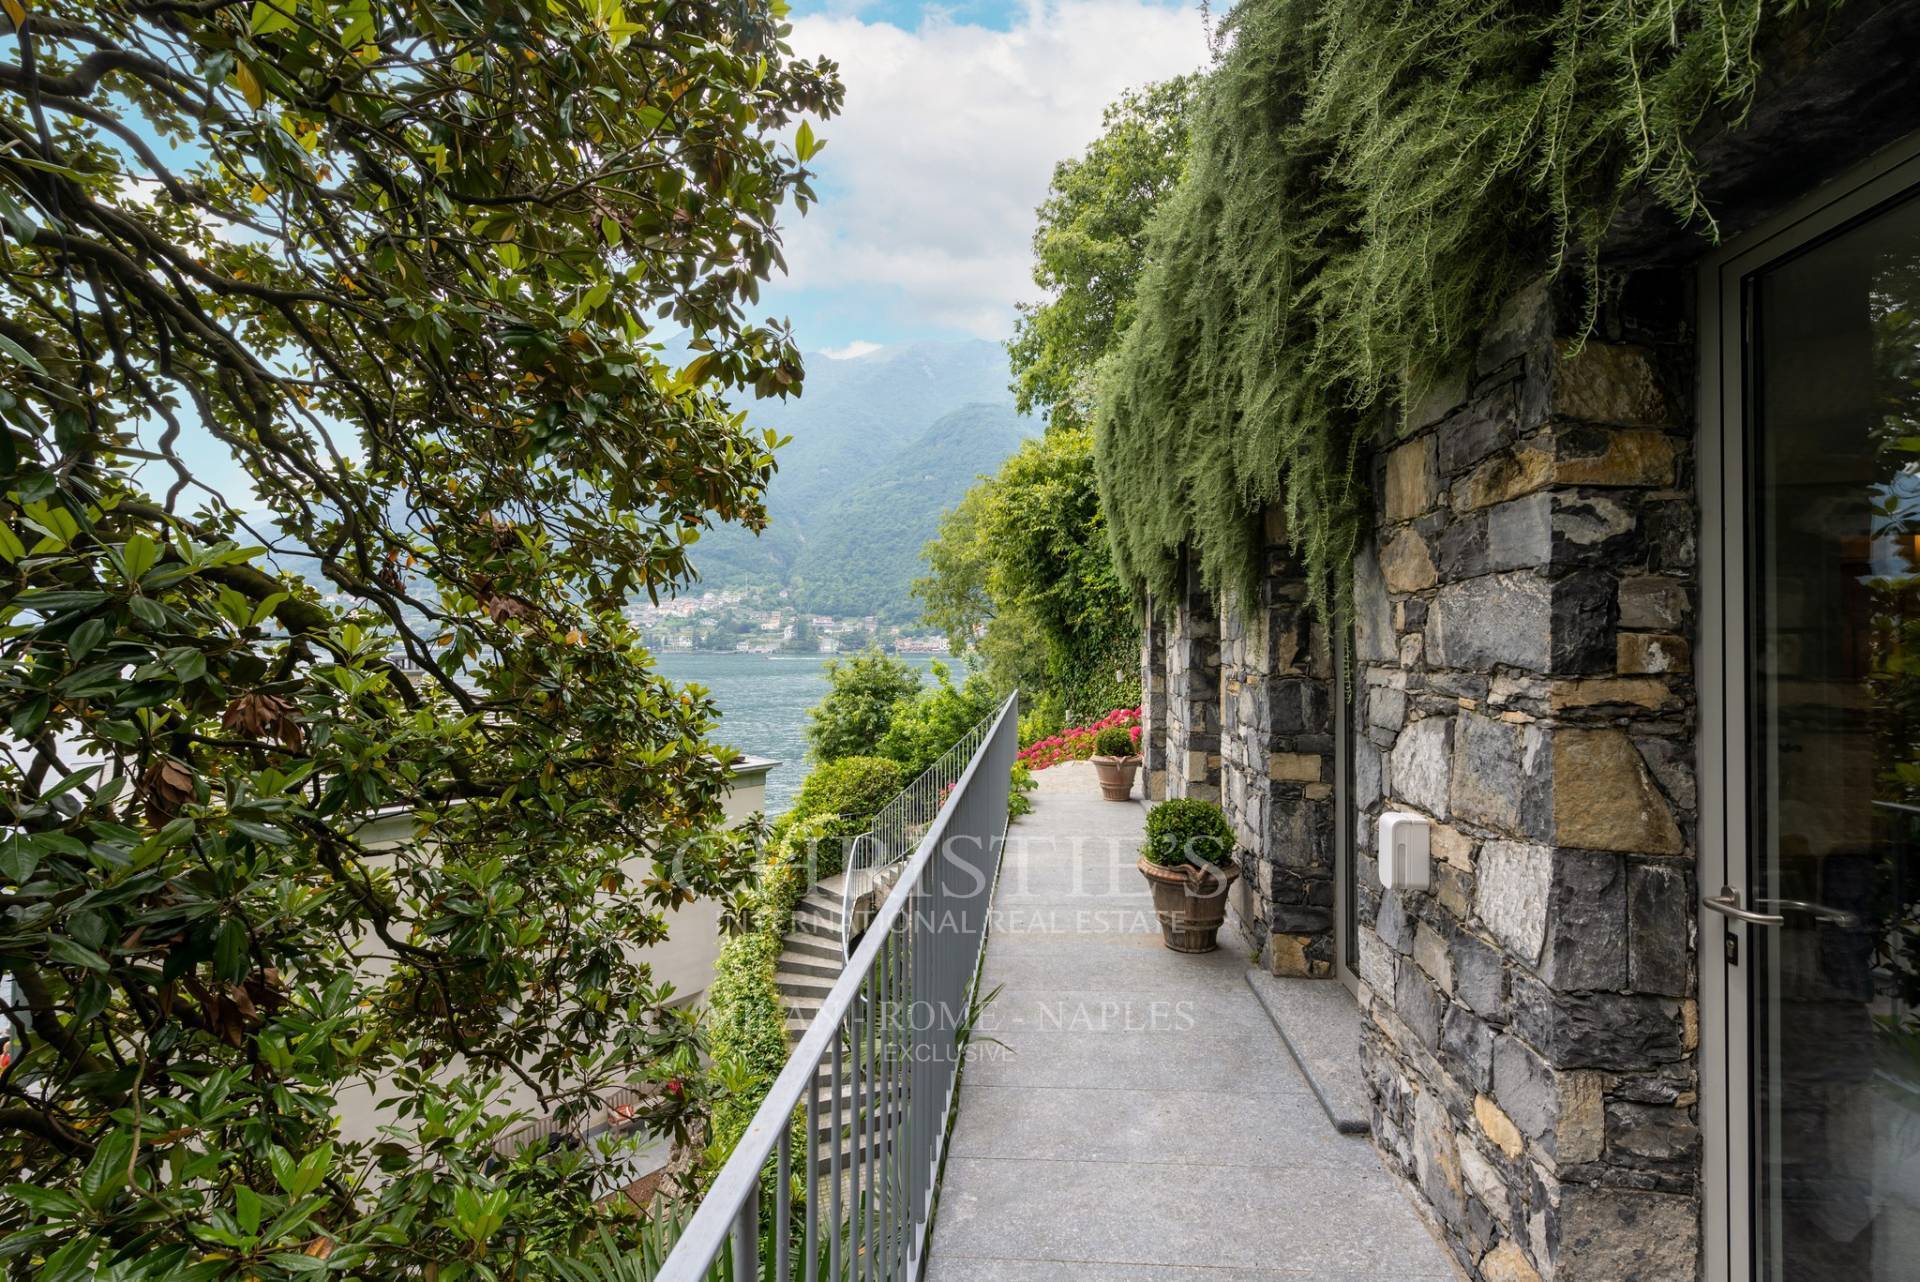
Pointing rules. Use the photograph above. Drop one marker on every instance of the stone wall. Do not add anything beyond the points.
(1193, 694)
(1523, 642)
(1153, 704)
(1277, 771)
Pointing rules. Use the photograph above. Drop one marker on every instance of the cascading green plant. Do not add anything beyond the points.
(1366, 183)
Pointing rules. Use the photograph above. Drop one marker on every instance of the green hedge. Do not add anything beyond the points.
(852, 786)
(746, 1020)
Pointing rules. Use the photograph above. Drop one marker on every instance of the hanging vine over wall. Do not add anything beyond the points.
(1366, 183)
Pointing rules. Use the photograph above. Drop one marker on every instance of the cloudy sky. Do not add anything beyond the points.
(955, 115)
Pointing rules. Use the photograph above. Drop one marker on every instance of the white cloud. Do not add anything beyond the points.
(857, 348)
(949, 138)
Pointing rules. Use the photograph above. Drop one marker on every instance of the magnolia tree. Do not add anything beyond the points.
(351, 782)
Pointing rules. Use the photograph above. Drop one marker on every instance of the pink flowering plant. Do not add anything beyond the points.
(1076, 743)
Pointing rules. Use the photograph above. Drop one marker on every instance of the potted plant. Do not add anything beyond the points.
(1115, 761)
(1188, 863)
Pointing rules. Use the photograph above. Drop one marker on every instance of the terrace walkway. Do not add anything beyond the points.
(1128, 1114)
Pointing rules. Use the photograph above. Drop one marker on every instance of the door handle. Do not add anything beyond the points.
(1727, 904)
(1819, 912)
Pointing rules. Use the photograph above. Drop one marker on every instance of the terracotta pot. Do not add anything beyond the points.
(1191, 903)
(1116, 776)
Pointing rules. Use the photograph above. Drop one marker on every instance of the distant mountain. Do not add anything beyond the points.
(882, 444)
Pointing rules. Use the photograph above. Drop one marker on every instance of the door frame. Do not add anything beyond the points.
(1721, 667)
(1346, 817)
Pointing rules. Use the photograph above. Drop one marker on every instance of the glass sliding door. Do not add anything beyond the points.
(1813, 898)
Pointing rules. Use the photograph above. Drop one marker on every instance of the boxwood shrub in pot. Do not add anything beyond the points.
(1189, 865)
(1115, 762)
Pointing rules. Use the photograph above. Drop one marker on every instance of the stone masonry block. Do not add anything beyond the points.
(1499, 775)
(1459, 547)
(1466, 1046)
(1407, 563)
(1583, 621)
(1411, 480)
(1592, 529)
(1595, 456)
(1422, 765)
(1610, 383)
(1496, 620)
(1660, 927)
(1520, 534)
(1586, 944)
(1604, 798)
(1484, 425)
(1617, 1031)
(1479, 975)
(1514, 883)
(1524, 468)
(1626, 1235)
(1653, 601)
(1653, 652)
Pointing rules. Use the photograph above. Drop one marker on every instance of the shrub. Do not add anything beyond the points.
(852, 787)
(1114, 741)
(1187, 831)
(1018, 803)
(843, 797)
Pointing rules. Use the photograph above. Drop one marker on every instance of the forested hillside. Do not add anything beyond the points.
(882, 444)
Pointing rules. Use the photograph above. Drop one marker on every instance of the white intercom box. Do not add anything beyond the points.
(1404, 851)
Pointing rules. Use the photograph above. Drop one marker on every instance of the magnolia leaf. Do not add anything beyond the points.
(106, 1173)
(10, 348)
(805, 146)
(268, 17)
(138, 556)
(19, 857)
(249, 86)
(69, 953)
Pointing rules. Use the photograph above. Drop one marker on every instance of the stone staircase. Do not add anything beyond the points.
(813, 955)
(810, 962)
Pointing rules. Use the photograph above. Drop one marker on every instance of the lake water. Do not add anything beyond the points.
(763, 701)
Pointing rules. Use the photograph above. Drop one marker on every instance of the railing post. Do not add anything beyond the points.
(746, 1239)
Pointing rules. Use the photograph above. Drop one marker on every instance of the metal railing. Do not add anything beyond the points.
(835, 1176)
(899, 826)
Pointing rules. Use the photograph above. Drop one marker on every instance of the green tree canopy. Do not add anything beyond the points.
(932, 721)
(1089, 246)
(361, 780)
(858, 708)
(1021, 571)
